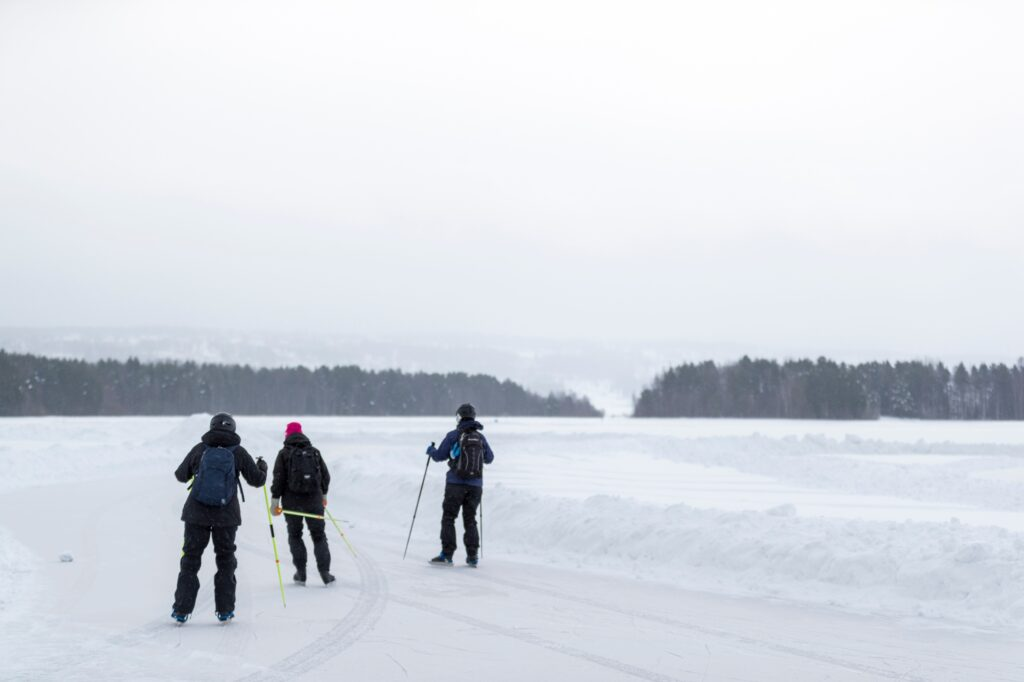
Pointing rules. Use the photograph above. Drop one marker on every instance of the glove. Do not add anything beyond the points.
(261, 465)
(275, 506)
(431, 449)
(325, 501)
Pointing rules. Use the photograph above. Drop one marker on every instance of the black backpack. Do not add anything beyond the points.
(304, 470)
(469, 460)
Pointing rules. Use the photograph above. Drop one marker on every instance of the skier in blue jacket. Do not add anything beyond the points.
(466, 451)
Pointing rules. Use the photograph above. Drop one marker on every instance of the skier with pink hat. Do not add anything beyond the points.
(300, 484)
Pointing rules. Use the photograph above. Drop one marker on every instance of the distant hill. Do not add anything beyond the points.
(805, 389)
(31, 385)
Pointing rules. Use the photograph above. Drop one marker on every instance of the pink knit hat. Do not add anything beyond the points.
(292, 428)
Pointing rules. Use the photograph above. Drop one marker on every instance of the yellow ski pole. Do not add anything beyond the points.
(350, 547)
(289, 512)
(273, 540)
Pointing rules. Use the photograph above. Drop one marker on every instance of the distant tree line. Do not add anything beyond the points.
(803, 389)
(31, 385)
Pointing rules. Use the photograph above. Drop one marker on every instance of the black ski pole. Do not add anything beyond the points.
(417, 508)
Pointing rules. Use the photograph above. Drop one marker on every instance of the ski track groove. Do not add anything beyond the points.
(130, 639)
(361, 619)
(536, 640)
(153, 628)
(67, 662)
(369, 608)
(711, 632)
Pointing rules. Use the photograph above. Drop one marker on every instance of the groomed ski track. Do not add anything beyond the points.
(395, 620)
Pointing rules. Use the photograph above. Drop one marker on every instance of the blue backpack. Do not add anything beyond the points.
(216, 479)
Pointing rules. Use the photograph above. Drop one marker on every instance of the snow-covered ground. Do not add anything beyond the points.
(613, 549)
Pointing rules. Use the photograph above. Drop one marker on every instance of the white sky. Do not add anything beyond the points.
(806, 174)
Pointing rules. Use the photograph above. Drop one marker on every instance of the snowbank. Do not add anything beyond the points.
(17, 567)
(943, 571)
(948, 572)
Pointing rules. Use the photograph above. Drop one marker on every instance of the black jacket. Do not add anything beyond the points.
(231, 515)
(311, 503)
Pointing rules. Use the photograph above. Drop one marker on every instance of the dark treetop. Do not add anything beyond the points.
(802, 389)
(32, 385)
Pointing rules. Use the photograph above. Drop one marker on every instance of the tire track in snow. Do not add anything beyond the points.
(703, 630)
(361, 619)
(536, 640)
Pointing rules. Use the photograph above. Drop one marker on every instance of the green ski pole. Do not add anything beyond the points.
(273, 540)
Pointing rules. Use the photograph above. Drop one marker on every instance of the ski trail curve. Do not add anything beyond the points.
(369, 606)
(64, 664)
(704, 630)
(536, 640)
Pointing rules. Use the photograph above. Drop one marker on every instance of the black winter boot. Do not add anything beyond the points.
(326, 577)
(300, 576)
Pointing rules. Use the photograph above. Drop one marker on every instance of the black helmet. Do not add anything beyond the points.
(466, 411)
(222, 422)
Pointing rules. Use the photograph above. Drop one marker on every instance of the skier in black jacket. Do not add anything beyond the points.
(461, 492)
(301, 481)
(221, 521)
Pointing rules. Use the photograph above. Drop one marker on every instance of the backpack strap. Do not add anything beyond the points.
(238, 480)
(198, 462)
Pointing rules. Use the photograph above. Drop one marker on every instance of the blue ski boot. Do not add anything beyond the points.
(442, 559)
(180, 618)
(225, 616)
(472, 561)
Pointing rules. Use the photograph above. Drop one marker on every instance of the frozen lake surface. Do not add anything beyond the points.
(614, 549)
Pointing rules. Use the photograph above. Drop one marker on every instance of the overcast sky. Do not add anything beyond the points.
(793, 174)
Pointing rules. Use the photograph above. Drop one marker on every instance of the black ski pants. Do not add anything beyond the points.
(197, 537)
(321, 551)
(467, 498)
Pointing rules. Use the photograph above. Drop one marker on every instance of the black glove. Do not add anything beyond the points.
(261, 465)
(431, 450)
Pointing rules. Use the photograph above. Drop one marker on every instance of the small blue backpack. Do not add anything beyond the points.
(216, 479)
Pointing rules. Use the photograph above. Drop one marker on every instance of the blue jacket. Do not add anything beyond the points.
(444, 452)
